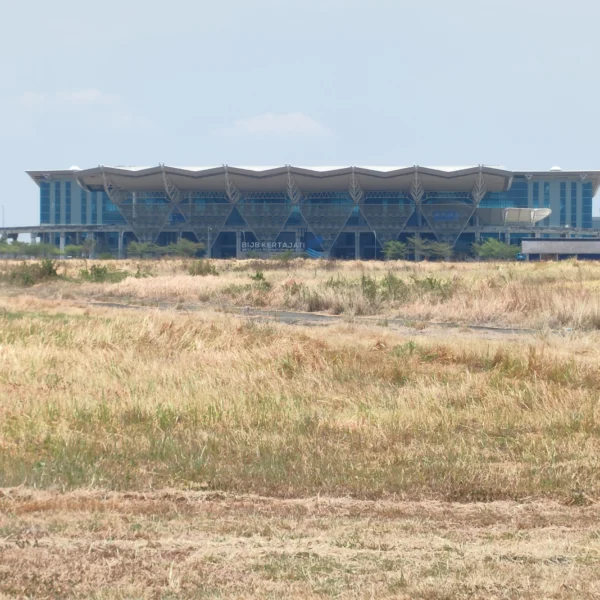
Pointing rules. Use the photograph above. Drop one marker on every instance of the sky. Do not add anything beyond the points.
(303, 82)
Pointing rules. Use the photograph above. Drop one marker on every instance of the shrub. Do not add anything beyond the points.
(202, 268)
(258, 276)
(393, 288)
(495, 249)
(369, 287)
(74, 250)
(28, 250)
(285, 258)
(102, 274)
(30, 274)
(186, 248)
(143, 249)
(260, 281)
(142, 272)
(442, 288)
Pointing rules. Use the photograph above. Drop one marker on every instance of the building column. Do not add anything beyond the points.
(134, 202)
(478, 236)
(357, 245)
(417, 253)
(121, 235)
(33, 238)
(507, 237)
(62, 244)
(92, 237)
(238, 244)
(209, 243)
(78, 238)
(298, 240)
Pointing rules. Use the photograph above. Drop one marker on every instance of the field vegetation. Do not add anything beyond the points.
(179, 452)
(503, 294)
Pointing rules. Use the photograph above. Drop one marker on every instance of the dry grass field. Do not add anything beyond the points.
(186, 451)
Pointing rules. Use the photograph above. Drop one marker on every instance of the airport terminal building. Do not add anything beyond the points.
(342, 212)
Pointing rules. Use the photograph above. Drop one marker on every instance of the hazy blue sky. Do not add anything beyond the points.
(310, 82)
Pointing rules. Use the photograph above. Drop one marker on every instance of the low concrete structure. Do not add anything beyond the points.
(562, 248)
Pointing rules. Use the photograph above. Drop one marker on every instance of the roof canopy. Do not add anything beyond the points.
(267, 179)
(308, 179)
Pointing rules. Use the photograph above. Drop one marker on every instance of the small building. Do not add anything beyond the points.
(559, 249)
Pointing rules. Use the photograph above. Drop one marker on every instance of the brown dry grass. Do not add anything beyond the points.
(138, 400)
(176, 544)
(537, 295)
(103, 407)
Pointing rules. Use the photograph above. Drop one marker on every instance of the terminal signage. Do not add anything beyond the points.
(272, 246)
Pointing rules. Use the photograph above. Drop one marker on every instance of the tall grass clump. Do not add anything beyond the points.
(27, 274)
(102, 274)
(202, 268)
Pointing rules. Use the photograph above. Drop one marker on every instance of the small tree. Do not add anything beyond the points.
(493, 249)
(439, 250)
(419, 246)
(394, 250)
(143, 249)
(74, 250)
(41, 250)
(185, 248)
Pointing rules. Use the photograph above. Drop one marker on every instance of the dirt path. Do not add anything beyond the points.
(196, 544)
(303, 318)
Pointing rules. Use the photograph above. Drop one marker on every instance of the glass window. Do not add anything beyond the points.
(536, 194)
(546, 221)
(586, 204)
(516, 197)
(327, 198)
(44, 203)
(68, 202)
(94, 208)
(110, 213)
(563, 203)
(83, 207)
(573, 204)
(57, 202)
(265, 198)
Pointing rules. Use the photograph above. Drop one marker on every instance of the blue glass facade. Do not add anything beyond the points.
(44, 202)
(587, 193)
(515, 197)
(546, 221)
(57, 202)
(68, 202)
(83, 197)
(326, 213)
(328, 198)
(563, 203)
(110, 213)
(94, 208)
(573, 204)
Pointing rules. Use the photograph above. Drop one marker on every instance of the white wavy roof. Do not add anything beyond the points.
(318, 168)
